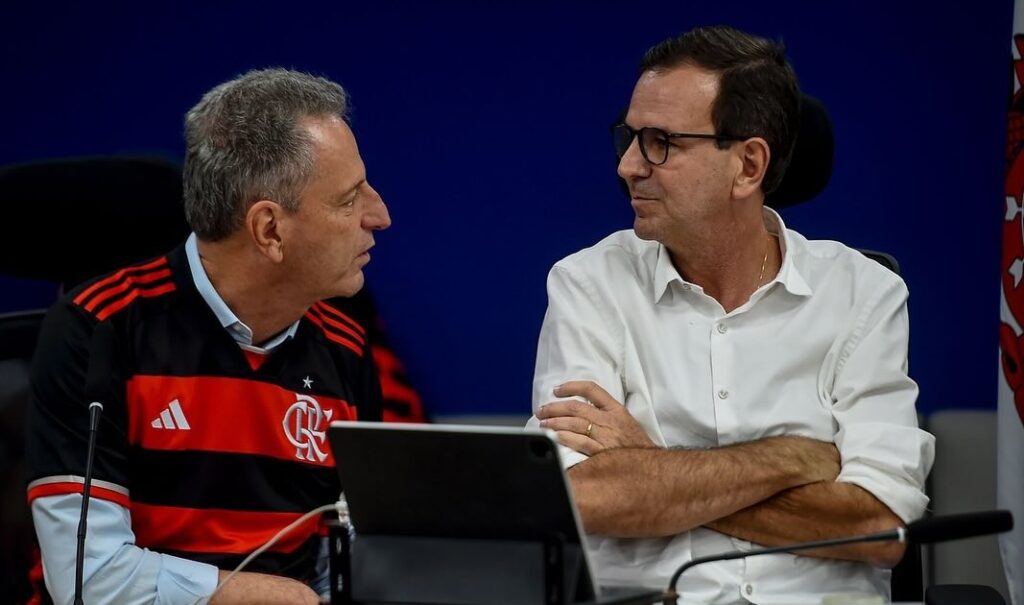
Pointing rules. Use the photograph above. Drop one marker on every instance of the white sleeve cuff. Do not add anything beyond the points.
(890, 462)
(568, 456)
(181, 581)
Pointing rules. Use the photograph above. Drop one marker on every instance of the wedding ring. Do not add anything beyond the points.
(590, 427)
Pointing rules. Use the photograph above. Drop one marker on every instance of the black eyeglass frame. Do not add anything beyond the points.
(638, 135)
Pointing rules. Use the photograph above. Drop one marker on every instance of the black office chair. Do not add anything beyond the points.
(963, 594)
(810, 168)
(102, 213)
(17, 340)
(70, 220)
(807, 176)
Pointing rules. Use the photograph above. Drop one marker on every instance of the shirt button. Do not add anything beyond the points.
(748, 589)
(723, 394)
(722, 328)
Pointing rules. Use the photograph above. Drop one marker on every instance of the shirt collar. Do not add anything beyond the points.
(664, 273)
(789, 275)
(241, 333)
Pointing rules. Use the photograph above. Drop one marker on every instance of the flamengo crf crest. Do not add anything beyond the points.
(305, 425)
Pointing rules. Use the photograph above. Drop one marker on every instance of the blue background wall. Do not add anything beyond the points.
(485, 129)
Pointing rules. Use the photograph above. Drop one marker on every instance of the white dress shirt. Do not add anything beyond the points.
(820, 351)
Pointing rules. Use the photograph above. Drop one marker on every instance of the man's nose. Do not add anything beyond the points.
(377, 216)
(632, 164)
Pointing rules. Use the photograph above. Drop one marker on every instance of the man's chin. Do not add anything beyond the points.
(350, 286)
(644, 230)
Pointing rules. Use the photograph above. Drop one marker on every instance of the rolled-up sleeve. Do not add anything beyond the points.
(882, 448)
(577, 342)
(116, 571)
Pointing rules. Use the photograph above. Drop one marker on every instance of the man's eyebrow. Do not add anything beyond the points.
(355, 187)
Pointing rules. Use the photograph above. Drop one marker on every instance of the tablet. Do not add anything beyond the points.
(426, 498)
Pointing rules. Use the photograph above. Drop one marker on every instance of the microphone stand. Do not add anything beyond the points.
(671, 596)
(95, 408)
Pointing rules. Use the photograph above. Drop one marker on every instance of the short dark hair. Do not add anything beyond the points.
(245, 142)
(758, 95)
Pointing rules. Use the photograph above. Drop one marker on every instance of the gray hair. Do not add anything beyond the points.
(244, 142)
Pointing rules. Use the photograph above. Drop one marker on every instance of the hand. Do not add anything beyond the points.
(831, 463)
(591, 427)
(819, 459)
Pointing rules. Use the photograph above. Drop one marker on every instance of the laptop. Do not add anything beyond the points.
(463, 515)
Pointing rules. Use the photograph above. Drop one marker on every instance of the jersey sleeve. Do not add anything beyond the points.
(77, 361)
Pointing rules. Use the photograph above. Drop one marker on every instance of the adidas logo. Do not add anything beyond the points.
(171, 418)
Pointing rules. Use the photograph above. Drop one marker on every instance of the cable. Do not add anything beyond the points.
(259, 551)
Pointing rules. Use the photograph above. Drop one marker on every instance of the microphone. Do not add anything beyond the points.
(101, 353)
(923, 531)
(956, 527)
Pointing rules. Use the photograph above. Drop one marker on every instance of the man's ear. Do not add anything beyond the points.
(263, 223)
(753, 155)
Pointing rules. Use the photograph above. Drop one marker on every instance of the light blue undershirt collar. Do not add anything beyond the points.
(240, 332)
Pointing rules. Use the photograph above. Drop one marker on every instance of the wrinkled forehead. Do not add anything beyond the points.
(335, 152)
(678, 99)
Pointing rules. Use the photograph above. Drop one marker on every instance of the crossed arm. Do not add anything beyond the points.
(772, 491)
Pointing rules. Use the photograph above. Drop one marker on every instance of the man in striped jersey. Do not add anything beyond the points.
(219, 365)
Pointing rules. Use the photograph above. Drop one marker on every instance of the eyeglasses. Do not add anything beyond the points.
(654, 142)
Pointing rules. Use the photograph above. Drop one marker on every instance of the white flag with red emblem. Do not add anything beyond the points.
(1010, 491)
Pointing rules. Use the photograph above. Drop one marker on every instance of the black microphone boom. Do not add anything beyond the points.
(101, 354)
(94, 420)
(955, 527)
(923, 531)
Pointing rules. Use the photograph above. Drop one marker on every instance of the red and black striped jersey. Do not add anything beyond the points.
(402, 402)
(212, 449)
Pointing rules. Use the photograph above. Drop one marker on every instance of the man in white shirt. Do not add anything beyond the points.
(742, 384)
